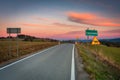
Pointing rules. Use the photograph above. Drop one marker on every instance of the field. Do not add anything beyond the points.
(111, 54)
(8, 49)
(100, 61)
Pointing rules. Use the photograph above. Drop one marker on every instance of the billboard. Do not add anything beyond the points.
(13, 30)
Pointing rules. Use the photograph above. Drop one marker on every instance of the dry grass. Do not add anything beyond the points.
(24, 48)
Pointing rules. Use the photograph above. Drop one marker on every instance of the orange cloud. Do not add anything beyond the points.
(91, 19)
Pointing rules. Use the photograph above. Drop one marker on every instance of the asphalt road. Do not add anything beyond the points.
(51, 64)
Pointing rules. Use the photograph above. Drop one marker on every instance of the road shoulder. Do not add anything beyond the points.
(81, 74)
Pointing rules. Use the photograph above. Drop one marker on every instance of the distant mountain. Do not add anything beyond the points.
(115, 40)
(73, 40)
(111, 40)
(106, 40)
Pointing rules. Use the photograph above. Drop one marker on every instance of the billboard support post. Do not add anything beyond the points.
(14, 31)
(17, 46)
(9, 53)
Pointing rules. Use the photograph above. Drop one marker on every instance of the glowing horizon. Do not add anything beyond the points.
(60, 19)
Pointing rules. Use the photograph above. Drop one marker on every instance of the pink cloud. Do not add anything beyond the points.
(65, 25)
(70, 35)
(91, 19)
(81, 34)
(111, 31)
(31, 25)
(60, 30)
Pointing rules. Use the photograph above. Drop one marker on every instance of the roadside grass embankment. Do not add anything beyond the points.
(108, 54)
(97, 69)
(24, 48)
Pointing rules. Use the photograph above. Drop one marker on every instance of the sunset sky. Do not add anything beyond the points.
(61, 19)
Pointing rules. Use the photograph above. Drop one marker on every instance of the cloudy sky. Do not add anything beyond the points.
(61, 19)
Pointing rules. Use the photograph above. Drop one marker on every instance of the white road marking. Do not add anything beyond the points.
(73, 65)
(25, 58)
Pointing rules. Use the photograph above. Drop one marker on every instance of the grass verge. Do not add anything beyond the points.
(97, 69)
(110, 54)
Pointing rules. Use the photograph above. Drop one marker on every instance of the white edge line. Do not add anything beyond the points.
(73, 65)
(25, 58)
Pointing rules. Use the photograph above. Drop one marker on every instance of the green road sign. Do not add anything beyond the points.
(91, 32)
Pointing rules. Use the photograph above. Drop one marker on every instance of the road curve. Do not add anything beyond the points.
(51, 64)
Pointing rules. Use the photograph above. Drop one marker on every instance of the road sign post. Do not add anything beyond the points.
(14, 31)
(89, 32)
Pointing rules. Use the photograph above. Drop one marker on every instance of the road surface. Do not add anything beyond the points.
(50, 64)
